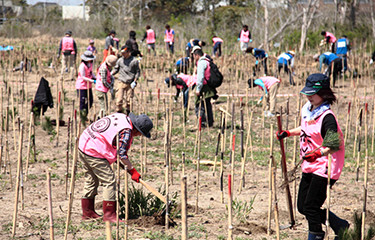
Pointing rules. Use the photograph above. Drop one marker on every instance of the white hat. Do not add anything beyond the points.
(195, 48)
(292, 52)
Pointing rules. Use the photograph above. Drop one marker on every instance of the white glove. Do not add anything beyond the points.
(259, 102)
(371, 61)
(133, 84)
(293, 73)
(170, 43)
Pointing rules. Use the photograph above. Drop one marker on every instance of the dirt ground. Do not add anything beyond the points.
(211, 221)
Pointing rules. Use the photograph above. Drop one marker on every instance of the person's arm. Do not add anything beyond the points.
(103, 74)
(287, 133)
(177, 93)
(124, 144)
(329, 124)
(260, 83)
(75, 47)
(327, 39)
(144, 37)
(202, 65)
(321, 59)
(116, 68)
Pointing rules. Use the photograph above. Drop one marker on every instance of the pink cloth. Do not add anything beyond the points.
(311, 139)
(190, 80)
(169, 37)
(244, 37)
(268, 82)
(332, 37)
(82, 83)
(150, 36)
(99, 139)
(67, 44)
(99, 83)
(217, 39)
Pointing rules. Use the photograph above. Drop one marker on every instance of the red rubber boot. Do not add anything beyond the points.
(88, 209)
(109, 211)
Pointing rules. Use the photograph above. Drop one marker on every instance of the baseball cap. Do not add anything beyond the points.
(314, 83)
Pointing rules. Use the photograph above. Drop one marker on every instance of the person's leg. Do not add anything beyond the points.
(120, 96)
(72, 66)
(63, 65)
(219, 50)
(186, 98)
(90, 189)
(345, 63)
(210, 116)
(265, 66)
(91, 98)
(199, 110)
(101, 100)
(172, 47)
(82, 93)
(129, 92)
(273, 93)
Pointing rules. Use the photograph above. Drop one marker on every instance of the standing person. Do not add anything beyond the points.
(128, 66)
(97, 151)
(329, 38)
(343, 49)
(91, 47)
(68, 48)
(109, 47)
(286, 60)
(316, 122)
(244, 37)
(105, 82)
(182, 82)
(132, 42)
(332, 61)
(260, 55)
(84, 82)
(269, 85)
(203, 92)
(192, 43)
(150, 37)
(216, 42)
(169, 39)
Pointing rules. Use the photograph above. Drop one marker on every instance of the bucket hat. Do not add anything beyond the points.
(111, 60)
(314, 83)
(87, 56)
(142, 123)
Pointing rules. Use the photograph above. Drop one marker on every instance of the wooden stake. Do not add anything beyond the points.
(50, 209)
(183, 163)
(58, 119)
(67, 158)
(108, 231)
(126, 182)
(157, 114)
(198, 165)
(184, 223)
(363, 233)
(29, 144)
(230, 202)
(118, 189)
(276, 207)
(18, 179)
(243, 160)
(328, 201)
(359, 142)
(347, 123)
(270, 183)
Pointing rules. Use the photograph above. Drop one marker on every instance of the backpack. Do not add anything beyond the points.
(216, 78)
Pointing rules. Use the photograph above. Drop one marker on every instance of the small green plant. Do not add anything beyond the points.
(242, 209)
(158, 235)
(355, 234)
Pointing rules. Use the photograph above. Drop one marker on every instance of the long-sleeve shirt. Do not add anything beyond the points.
(103, 74)
(145, 36)
(124, 143)
(201, 67)
(109, 42)
(74, 46)
(326, 58)
(133, 43)
(128, 68)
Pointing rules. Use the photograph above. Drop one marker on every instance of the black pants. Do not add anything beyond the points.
(337, 68)
(84, 102)
(210, 117)
(311, 195)
(264, 62)
(287, 71)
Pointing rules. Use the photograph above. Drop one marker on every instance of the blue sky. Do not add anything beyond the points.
(60, 2)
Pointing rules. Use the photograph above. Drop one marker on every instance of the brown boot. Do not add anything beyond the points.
(109, 211)
(88, 209)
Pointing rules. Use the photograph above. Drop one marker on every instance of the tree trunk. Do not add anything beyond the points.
(372, 18)
(344, 7)
(353, 9)
(308, 15)
(266, 46)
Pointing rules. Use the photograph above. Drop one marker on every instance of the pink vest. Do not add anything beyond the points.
(99, 139)
(217, 39)
(150, 36)
(188, 79)
(269, 81)
(81, 83)
(99, 84)
(67, 44)
(244, 37)
(312, 139)
(332, 37)
(169, 36)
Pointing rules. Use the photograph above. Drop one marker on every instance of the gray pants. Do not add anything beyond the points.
(68, 62)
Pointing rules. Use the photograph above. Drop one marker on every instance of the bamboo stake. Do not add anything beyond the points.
(222, 160)
(13, 121)
(359, 142)
(243, 160)
(230, 202)
(218, 144)
(108, 231)
(126, 182)
(270, 173)
(50, 209)
(18, 179)
(198, 165)
(363, 233)
(276, 207)
(373, 127)
(29, 144)
(366, 137)
(170, 146)
(58, 119)
(347, 123)
(118, 189)
(295, 146)
(183, 164)
(67, 159)
(184, 223)
(328, 201)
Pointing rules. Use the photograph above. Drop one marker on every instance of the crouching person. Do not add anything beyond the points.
(97, 151)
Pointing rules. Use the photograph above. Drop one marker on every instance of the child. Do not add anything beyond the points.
(104, 82)
(84, 82)
(91, 47)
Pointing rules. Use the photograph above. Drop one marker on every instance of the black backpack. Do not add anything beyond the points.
(216, 78)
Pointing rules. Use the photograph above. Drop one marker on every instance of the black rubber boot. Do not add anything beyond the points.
(316, 236)
(337, 224)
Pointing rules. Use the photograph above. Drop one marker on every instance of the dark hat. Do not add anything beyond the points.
(250, 82)
(126, 48)
(166, 80)
(314, 83)
(142, 123)
(68, 33)
(112, 32)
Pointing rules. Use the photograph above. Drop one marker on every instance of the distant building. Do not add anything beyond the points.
(74, 12)
(9, 9)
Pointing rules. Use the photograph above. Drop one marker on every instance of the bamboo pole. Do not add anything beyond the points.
(58, 119)
(328, 200)
(363, 233)
(198, 165)
(50, 209)
(183, 164)
(243, 160)
(118, 189)
(67, 158)
(184, 223)
(126, 200)
(230, 201)
(270, 183)
(373, 126)
(359, 142)
(108, 231)
(18, 179)
(276, 207)
(29, 144)
(222, 160)
(157, 113)
(14, 122)
(347, 123)
(217, 145)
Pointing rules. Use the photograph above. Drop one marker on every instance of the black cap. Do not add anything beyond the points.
(314, 83)
(142, 123)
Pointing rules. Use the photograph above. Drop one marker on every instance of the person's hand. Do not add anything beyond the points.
(283, 134)
(259, 102)
(94, 81)
(256, 62)
(312, 155)
(293, 73)
(251, 40)
(371, 61)
(135, 175)
(133, 84)
(58, 56)
(238, 39)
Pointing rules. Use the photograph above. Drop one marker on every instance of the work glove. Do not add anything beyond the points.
(283, 134)
(251, 40)
(170, 43)
(94, 81)
(58, 56)
(133, 84)
(135, 175)
(312, 155)
(238, 39)
(256, 62)
(259, 102)
(371, 61)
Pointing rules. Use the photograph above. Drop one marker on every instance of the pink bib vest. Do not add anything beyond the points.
(269, 81)
(99, 84)
(169, 36)
(217, 39)
(332, 37)
(99, 139)
(244, 37)
(81, 83)
(188, 79)
(150, 36)
(311, 139)
(67, 44)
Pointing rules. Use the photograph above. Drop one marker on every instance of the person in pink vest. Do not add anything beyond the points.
(269, 85)
(182, 82)
(150, 37)
(329, 39)
(244, 37)
(169, 39)
(97, 151)
(84, 83)
(68, 49)
(105, 82)
(216, 43)
(318, 121)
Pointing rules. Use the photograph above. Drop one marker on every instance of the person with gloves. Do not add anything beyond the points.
(269, 85)
(216, 43)
(286, 60)
(97, 151)
(317, 122)
(84, 82)
(68, 49)
(105, 82)
(128, 66)
(244, 37)
(182, 82)
(260, 55)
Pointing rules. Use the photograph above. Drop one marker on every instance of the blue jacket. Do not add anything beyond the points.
(327, 58)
